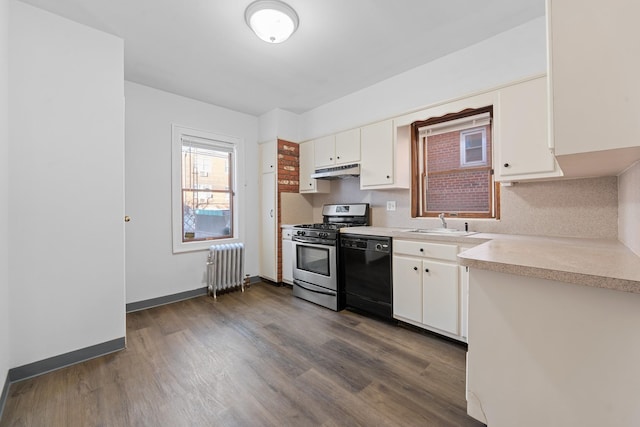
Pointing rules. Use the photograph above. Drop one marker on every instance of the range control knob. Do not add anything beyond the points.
(300, 233)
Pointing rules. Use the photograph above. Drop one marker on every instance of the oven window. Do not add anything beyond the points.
(313, 259)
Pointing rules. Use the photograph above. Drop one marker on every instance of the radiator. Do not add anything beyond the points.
(225, 267)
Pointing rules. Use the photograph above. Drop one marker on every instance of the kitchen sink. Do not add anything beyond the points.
(441, 231)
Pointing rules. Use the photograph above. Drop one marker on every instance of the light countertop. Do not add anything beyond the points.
(590, 262)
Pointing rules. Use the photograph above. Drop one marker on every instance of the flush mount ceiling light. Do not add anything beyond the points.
(273, 21)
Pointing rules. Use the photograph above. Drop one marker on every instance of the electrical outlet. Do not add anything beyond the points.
(391, 205)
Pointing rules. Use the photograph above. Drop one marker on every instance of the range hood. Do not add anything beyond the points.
(337, 172)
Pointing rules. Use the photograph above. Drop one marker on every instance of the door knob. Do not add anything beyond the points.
(127, 218)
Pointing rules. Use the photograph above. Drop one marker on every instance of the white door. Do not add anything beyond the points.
(348, 147)
(376, 145)
(407, 288)
(268, 252)
(324, 151)
(523, 127)
(287, 261)
(268, 156)
(440, 296)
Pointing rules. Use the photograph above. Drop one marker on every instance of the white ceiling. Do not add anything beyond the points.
(203, 49)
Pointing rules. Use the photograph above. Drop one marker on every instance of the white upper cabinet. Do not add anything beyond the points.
(348, 147)
(339, 149)
(384, 161)
(594, 64)
(268, 156)
(324, 151)
(308, 185)
(522, 133)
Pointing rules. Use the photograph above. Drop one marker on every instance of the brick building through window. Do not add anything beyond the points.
(451, 157)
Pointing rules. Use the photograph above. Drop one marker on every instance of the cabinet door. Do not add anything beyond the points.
(287, 261)
(377, 161)
(440, 297)
(594, 68)
(464, 300)
(523, 143)
(306, 168)
(308, 185)
(268, 250)
(348, 147)
(324, 151)
(407, 288)
(268, 156)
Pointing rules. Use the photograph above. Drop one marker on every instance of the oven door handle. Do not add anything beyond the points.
(305, 241)
(330, 293)
(314, 242)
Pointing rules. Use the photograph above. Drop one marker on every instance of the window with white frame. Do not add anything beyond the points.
(203, 191)
(473, 147)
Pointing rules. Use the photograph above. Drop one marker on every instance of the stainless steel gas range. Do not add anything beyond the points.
(315, 272)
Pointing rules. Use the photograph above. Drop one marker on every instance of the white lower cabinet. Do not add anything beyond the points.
(407, 288)
(428, 287)
(464, 301)
(287, 256)
(440, 294)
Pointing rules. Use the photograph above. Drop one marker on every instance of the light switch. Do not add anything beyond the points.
(391, 205)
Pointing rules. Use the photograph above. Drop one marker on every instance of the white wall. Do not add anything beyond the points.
(279, 123)
(629, 208)
(509, 56)
(152, 269)
(66, 204)
(4, 194)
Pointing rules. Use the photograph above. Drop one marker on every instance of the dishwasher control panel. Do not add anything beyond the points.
(365, 243)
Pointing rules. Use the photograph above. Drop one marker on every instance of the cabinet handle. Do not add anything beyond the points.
(338, 157)
(310, 184)
(426, 270)
(271, 213)
(506, 165)
(330, 158)
(388, 177)
(415, 268)
(421, 250)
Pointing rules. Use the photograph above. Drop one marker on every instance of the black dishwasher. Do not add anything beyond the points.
(365, 273)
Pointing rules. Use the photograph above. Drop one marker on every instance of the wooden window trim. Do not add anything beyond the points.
(418, 199)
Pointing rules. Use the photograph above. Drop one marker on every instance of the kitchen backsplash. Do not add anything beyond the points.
(577, 208)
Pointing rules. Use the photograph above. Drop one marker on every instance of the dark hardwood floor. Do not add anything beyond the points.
(259, 358)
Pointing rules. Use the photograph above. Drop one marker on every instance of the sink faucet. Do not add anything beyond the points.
(444, 223)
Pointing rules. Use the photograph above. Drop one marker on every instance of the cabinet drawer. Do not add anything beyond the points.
(426, 249)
